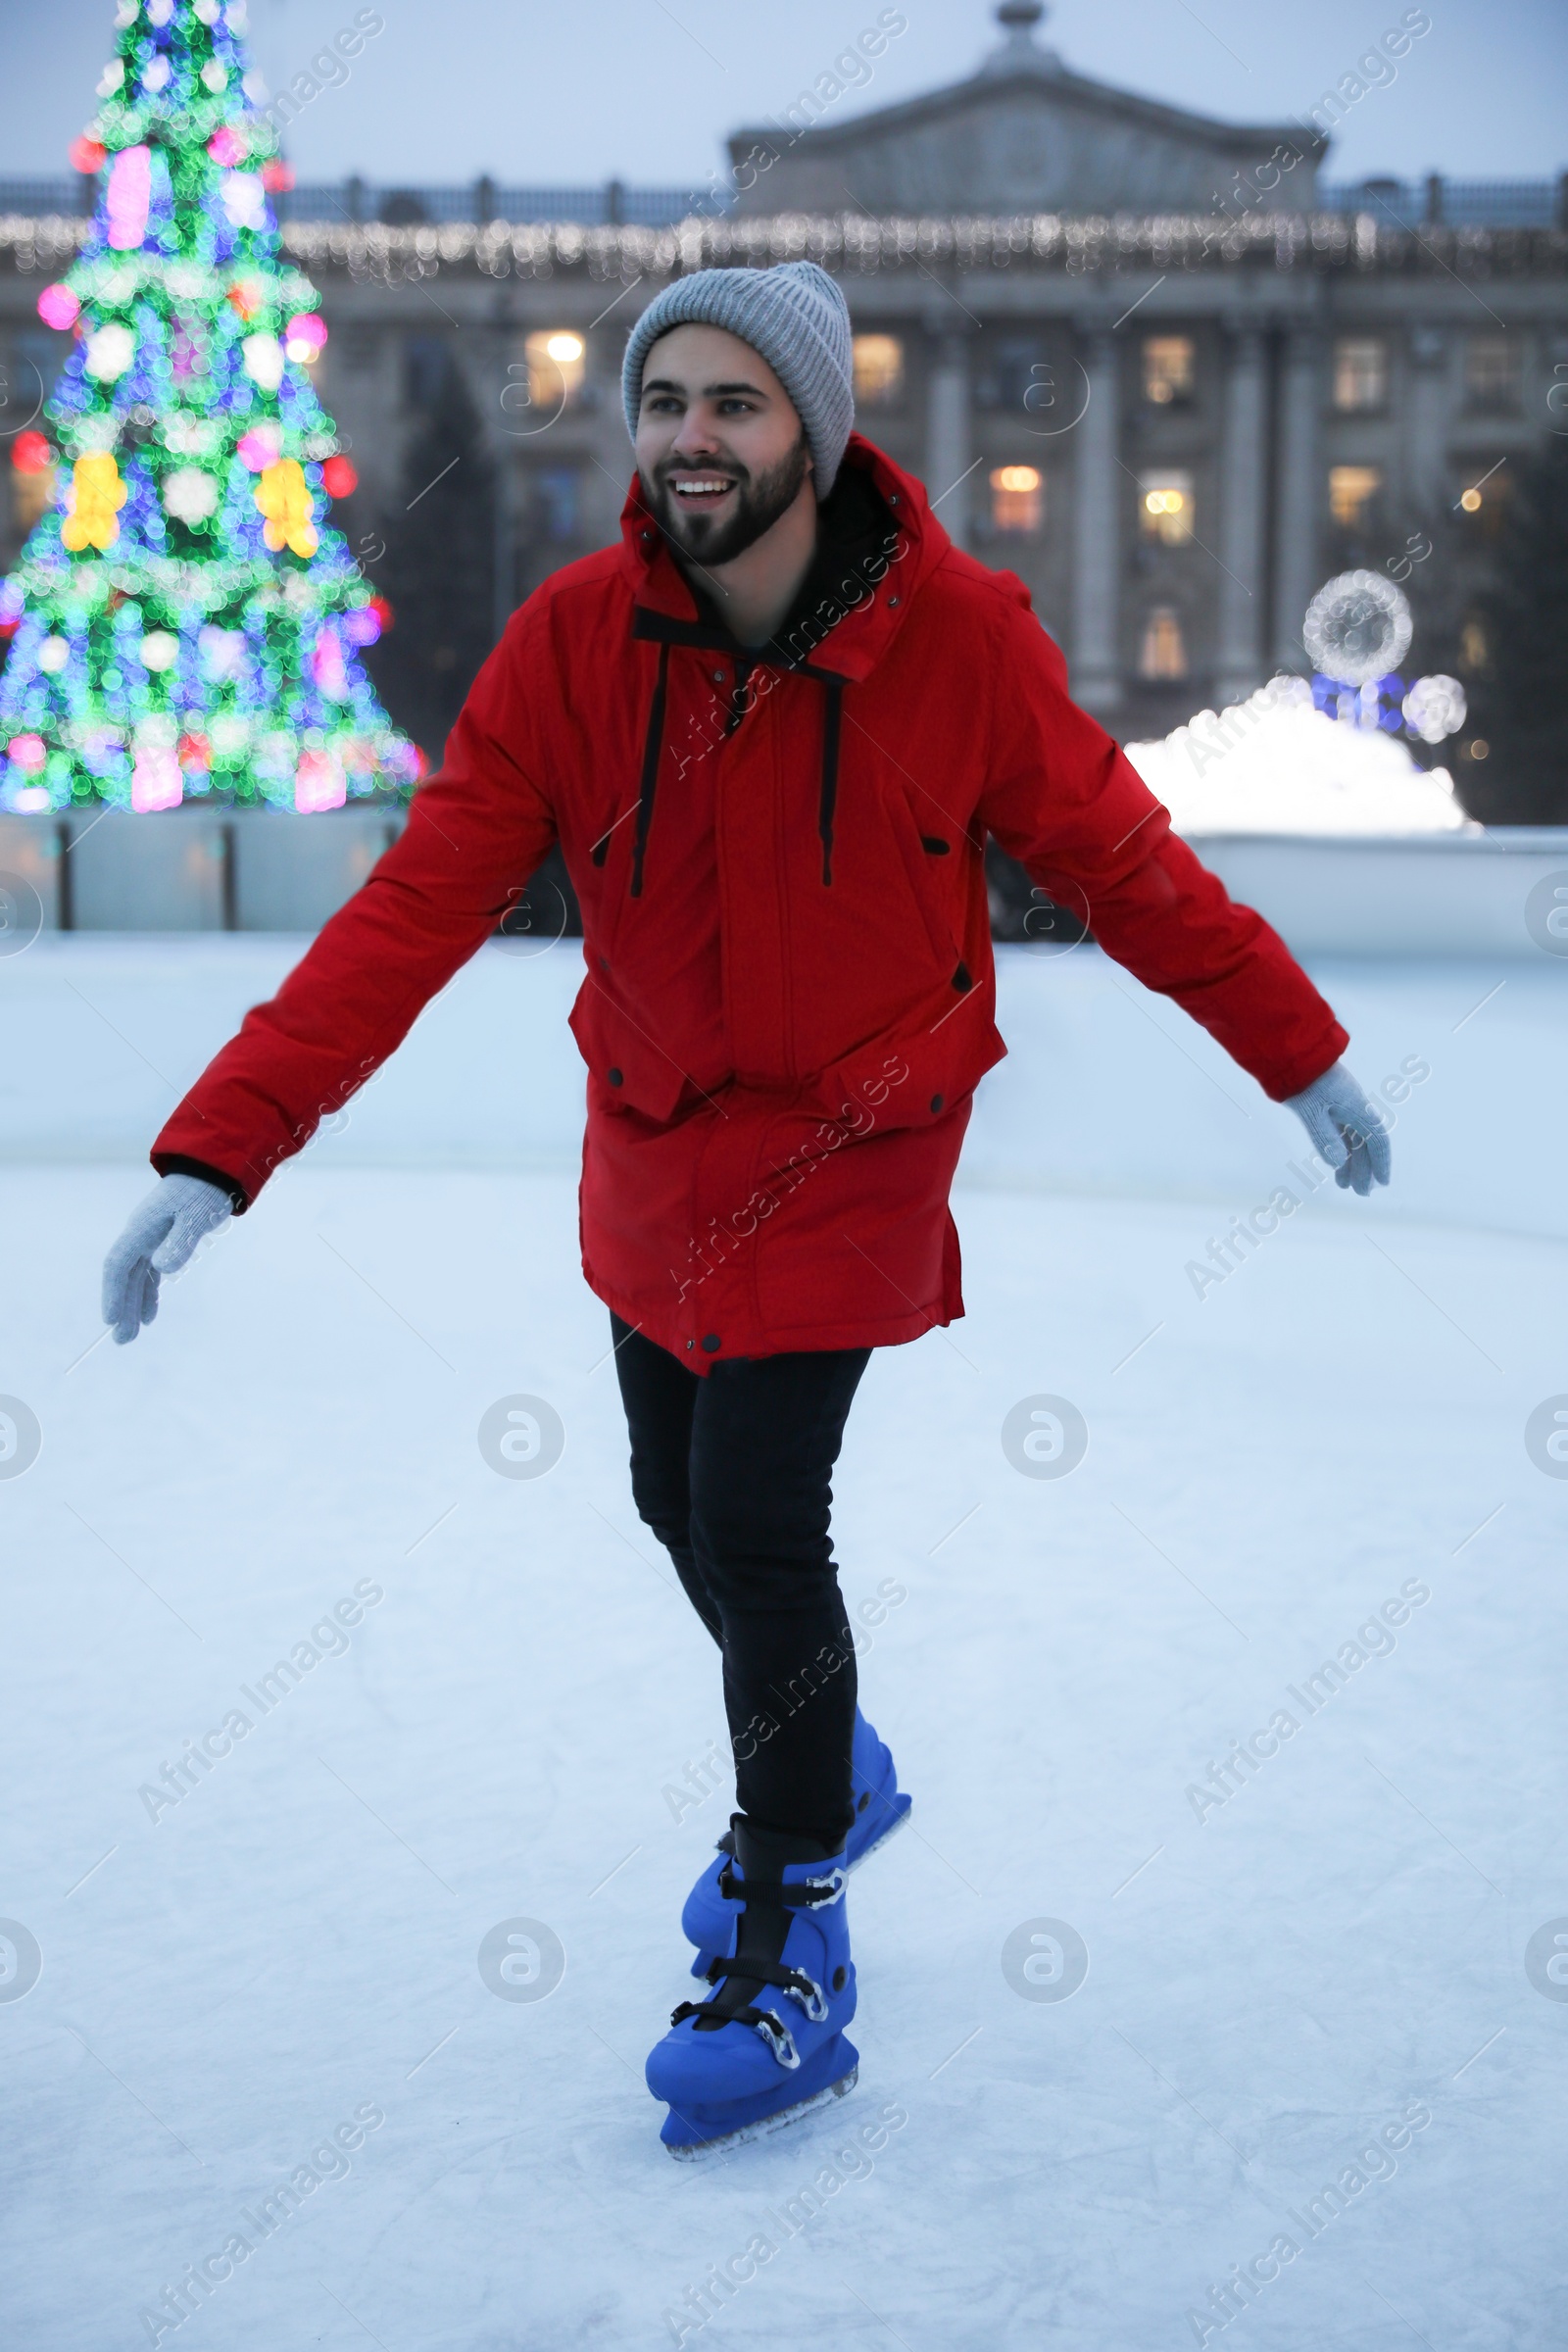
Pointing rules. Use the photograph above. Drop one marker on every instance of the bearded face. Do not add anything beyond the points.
(716, 508)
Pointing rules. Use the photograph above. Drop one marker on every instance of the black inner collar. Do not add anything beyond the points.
(855, 538)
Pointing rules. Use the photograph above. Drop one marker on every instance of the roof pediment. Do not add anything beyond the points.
(1022, 134)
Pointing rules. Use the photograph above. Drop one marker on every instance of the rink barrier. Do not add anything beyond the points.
(1498, 893)
(1402, 895)
(190, 870)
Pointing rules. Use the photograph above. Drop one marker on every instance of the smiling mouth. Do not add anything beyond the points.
(700, 489)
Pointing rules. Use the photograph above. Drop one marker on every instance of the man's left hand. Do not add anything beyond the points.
(1346, 1129)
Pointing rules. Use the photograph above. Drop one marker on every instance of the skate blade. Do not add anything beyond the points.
(698, 2151)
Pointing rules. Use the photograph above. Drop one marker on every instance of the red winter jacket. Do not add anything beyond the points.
(790, 993)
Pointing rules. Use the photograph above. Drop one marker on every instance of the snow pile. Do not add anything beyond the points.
(1276, 764)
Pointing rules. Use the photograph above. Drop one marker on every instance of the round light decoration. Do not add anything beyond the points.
(1434, 707)
(260, 447)
(109, 351)
(59, 307)
(244, 200)
(160, 650)
(191, 495)
(1358, 627)
(306, 335)
(263, 355)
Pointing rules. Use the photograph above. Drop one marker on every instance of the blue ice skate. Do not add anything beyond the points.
(769, 2044)
(880, 1807)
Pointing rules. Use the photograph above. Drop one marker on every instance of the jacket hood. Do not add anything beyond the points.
(850, 628)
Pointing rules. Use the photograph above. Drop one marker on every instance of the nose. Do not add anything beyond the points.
(697, 439)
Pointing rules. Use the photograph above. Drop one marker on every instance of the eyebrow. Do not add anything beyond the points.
(664, 383)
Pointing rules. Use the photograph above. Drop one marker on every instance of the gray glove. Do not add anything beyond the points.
(161, 1237)
(1346, 1128)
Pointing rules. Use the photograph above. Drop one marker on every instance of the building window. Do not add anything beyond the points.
(1163, 651)
(556, 357)
(1017, 498)
(1167, 370)
(1360, 374)
(425, 362)
(1492, 374)
(1486, 498)
(1351, 491)
(878, 370)
(557, 489)
(1015, 372)
(1165, 506)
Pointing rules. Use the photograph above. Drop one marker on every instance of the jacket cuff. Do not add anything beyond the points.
(1310, 1068)
(175, 1164)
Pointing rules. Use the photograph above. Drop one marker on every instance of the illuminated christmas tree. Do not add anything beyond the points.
(183, 621)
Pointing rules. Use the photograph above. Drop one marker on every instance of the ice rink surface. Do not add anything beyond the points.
(1331, 1978)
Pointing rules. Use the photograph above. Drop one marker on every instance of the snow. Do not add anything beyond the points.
(1340, 1941)
(1275, 765)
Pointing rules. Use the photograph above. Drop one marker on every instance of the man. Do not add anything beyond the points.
(771, 731)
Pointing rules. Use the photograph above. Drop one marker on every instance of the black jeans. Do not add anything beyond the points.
(732, 1473)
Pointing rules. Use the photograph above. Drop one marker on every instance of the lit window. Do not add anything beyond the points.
(1360, 372)
(1486, 498)
(1017, 498)
(1473, 650)
(32, 494)
(1165, 506)
(1163, 651)
(1492, 372)
(1167, 368)
(555, 358)
(878, 370)
(1352, 490)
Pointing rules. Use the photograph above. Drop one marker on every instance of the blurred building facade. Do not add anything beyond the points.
(1156, 365)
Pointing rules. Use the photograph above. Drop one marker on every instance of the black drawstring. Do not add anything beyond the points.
(832, 711)
(653, 745)
(652, 749)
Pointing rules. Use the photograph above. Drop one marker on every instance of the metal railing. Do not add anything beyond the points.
(1455, 203)
(608, 205)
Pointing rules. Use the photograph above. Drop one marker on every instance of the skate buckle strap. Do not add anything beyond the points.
(793, 1980)
(776, 2034)
(812, 1999)
(806, 1894)
(778, 2037)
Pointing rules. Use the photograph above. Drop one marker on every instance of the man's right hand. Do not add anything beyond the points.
(161, 1237)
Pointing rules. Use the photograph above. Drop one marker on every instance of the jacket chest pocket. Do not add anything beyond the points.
(924, 860)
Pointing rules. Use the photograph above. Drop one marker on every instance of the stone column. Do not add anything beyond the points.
(1426, 490)
(1239, 668)
(1299, 493)
(949, 456)
(1098, 502)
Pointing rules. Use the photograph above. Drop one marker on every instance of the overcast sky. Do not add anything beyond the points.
(579, 93)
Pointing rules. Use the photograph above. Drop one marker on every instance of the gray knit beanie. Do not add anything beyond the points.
(794, 315)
